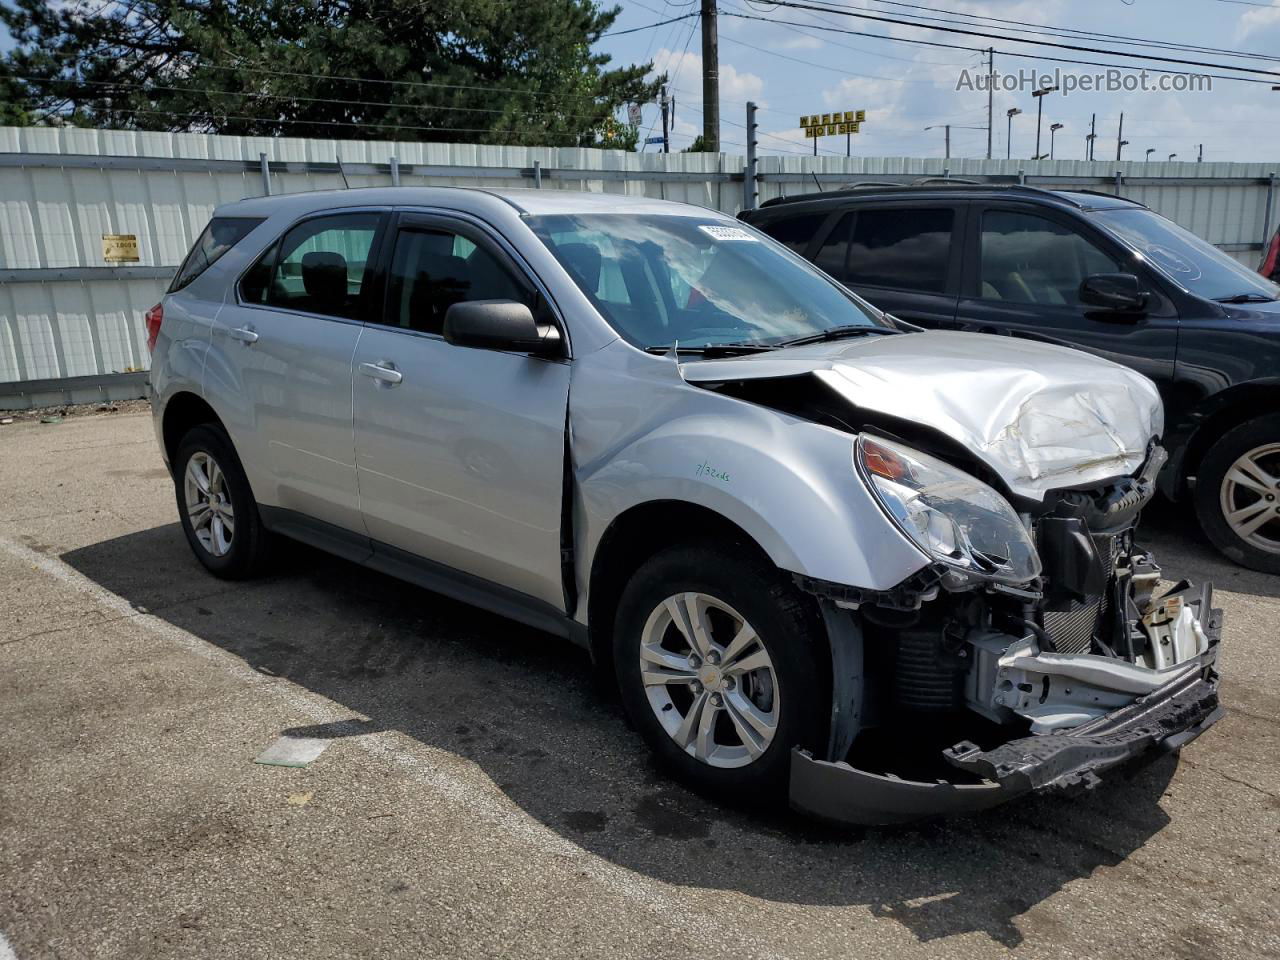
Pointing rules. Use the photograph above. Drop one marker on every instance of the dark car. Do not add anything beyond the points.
(1092, 271)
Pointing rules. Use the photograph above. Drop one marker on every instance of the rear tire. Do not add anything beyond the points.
(723, 712)
(1237, 494)
(216, 506)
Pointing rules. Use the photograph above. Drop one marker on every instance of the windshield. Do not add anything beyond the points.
(1194, 265)
(663, 279)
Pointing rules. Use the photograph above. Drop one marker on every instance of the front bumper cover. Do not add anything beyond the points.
(1166, 719)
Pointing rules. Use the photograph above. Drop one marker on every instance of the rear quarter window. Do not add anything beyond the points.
(218, 237)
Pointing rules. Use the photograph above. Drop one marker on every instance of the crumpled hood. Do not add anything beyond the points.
(1039, 415)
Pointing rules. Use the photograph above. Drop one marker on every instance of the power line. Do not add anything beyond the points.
(823, 66)
(648, 26)
(1003, 52)
(846, 12)
(1022, 26)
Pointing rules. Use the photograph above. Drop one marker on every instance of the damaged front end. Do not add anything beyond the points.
(973, 683)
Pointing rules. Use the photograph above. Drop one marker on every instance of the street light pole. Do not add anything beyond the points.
(1053, 130)
(1150, 151)
(1008, 137)
(1040, 95)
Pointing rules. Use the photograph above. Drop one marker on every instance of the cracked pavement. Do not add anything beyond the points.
(479, 798)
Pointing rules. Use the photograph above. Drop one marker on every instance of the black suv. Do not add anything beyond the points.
(1096, 272)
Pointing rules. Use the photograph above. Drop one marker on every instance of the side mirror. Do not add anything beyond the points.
(1120, 292)
(499, 325)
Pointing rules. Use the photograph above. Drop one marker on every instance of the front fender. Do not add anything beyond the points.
(790, 484)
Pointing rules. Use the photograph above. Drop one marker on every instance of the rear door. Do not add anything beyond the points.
(1022, 278)
(281, 364)
(459, 450)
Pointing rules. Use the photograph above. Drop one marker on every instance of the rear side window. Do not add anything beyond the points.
(906, 249)
(218, 237)
(317, 267)
(794, 232)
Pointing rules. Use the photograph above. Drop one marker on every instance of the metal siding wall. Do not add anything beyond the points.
(54, 217)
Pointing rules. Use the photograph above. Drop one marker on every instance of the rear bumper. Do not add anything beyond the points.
(1165, 719)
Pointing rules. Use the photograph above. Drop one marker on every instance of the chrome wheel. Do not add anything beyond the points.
(709, 680)
(1250, 497)
(208, 504)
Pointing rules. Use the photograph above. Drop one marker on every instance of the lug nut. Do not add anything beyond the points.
(713, 658)
(716, 700)
(727, 683)
(695, 661)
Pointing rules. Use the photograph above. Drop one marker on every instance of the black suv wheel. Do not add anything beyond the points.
(1238, 494)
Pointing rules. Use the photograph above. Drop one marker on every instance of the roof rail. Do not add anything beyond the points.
(1109, 196)
(863, 187)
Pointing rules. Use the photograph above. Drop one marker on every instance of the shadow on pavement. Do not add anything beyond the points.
(1171, 532)
(523, 706)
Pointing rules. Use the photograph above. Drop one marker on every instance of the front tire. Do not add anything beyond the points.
(1237, 494)
(716, 654)
(216, 506)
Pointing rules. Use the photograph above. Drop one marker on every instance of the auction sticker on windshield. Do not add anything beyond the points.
(726, 233)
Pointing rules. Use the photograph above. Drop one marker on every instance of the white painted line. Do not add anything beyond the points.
(501, 815)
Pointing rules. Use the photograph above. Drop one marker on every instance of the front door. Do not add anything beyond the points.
(459, 451)
(1023, 279)
(281, 365)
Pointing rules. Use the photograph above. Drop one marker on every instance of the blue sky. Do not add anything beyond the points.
(905, 87)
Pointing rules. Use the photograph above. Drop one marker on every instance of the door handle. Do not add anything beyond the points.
(245, 335)
(382, 371)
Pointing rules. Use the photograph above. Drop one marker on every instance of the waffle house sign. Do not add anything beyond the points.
(832, 124)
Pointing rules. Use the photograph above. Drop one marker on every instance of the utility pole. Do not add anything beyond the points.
(1093, 135)
(666, 127)
(1200, 154)
(710, 79)
(1120, 140)
(991, 83)
(947, 132)
(749, 180)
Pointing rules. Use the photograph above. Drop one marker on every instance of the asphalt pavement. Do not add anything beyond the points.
(478, 797)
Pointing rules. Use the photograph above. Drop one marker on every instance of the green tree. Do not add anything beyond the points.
(480, 71)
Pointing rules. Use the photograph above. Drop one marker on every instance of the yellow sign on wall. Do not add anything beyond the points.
(832, 124)
(120, 247)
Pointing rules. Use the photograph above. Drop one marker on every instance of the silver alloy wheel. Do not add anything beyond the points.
(1250, 497)
(208, 504)
(709, 680)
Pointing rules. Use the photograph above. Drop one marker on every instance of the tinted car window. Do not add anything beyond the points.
(218, 237)
(794, 232)
(431, 270)
(318, 266)
(1029, 259)
(903, 248)
(834, 252)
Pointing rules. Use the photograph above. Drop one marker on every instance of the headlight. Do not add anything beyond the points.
(953, 517)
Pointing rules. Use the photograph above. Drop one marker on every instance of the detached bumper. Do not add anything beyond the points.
(1165, 719)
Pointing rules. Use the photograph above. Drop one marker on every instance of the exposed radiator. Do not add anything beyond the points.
(1072, 630)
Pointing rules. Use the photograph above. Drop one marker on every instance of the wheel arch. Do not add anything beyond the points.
(1239, 405)
(182, 412)
(633, 537)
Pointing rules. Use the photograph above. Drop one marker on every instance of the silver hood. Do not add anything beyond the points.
(1040, 416)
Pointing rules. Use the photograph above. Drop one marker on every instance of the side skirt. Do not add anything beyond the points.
(424, 573)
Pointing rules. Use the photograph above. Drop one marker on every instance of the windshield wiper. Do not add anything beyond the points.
(836, 333)
(716, 349)
(1246, 298)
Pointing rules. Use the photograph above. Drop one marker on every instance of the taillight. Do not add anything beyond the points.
(154, 317)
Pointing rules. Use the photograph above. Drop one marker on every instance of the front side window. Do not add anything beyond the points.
(664, 278)
(902, 248)
(317, 267)
(1190, 262)
(218, 237)
(431, 270)
(1030, 259)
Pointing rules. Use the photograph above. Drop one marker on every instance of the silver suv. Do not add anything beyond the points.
(888, 573)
